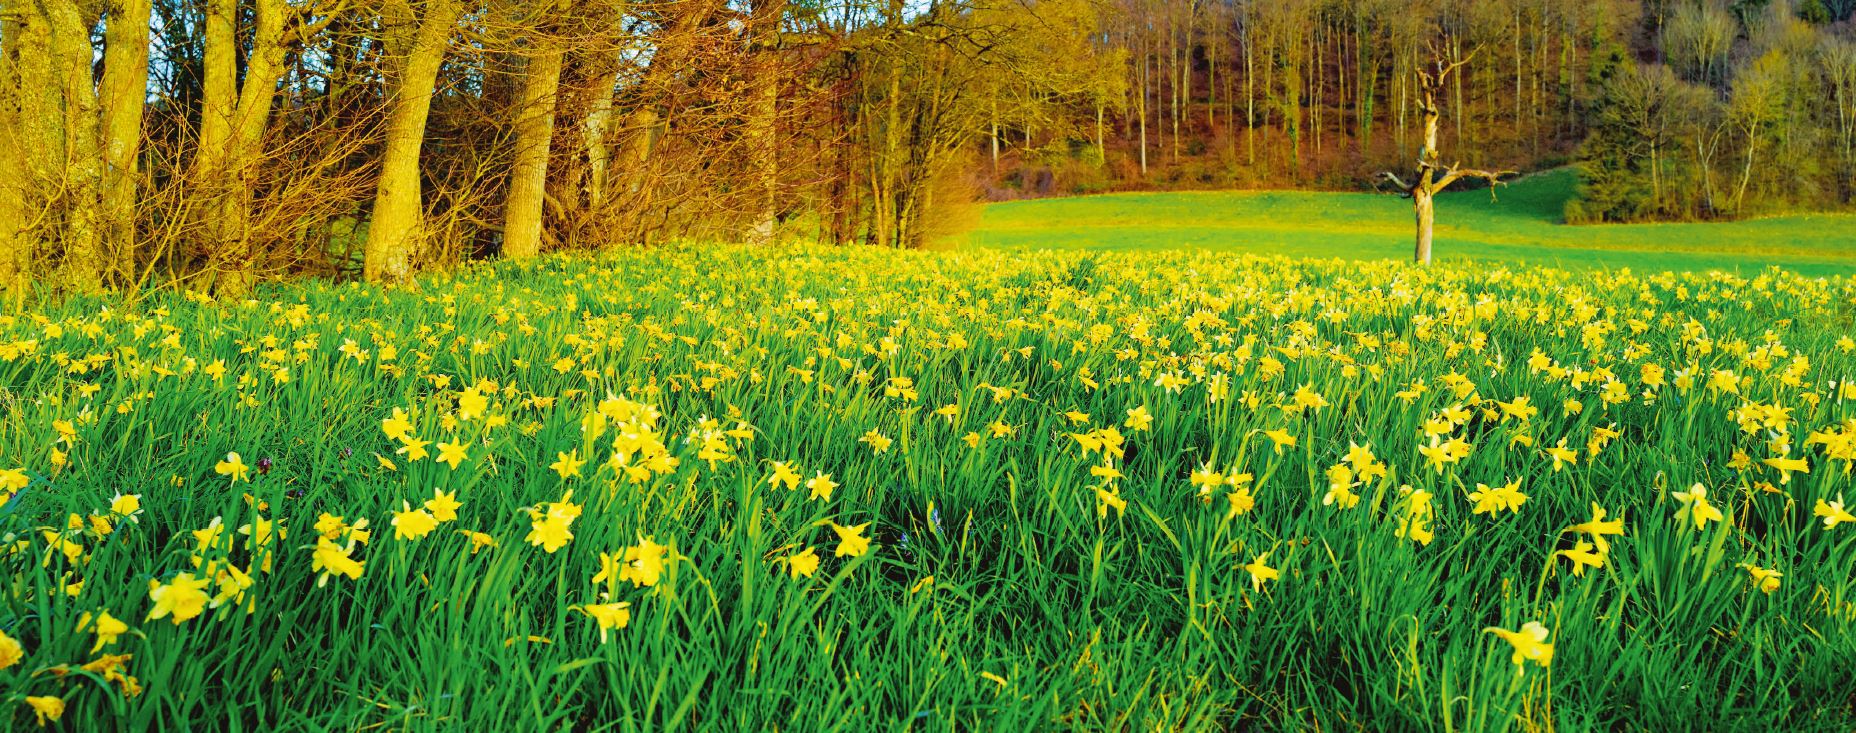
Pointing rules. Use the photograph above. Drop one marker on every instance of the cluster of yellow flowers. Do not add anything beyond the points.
(1379, 394)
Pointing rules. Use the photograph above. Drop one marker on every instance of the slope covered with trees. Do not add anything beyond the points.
(218, 143)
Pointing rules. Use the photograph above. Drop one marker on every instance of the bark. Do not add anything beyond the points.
(233, 119)
(1433, 177)
(123, 95)
(761, 131)
(15, 248)
(85, 262)
(596, 133)
(1142, 114)
(1422, 204)
(529, 175)
(37, 104)
(418, 41)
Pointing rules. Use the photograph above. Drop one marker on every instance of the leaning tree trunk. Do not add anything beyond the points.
(528, 177)
(394, 233)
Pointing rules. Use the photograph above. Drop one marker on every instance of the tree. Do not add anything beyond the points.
(535, 109)
(415, 39)
(1838, 59)
(1432, 177)
(75, 183)
(234, 115)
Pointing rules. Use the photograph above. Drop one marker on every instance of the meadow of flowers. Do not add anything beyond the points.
(730, 489)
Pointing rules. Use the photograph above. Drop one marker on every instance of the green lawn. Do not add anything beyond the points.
(1523, 224)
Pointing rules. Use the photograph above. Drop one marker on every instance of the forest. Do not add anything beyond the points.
(216, 144)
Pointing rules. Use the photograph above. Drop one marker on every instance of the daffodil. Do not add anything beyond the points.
(412, 524)
(478, 540)
(821, 486)
(180, 599)
(330, 559)
(443, 505)
(11, 651)
(802, 564)
(1489, 500)
(1788, 466)
(551, 523)
(784, 475)
(1340, 488)
(1260, 571)
(609, 616)
(1599, 528)
(1562, 456)
(1529, 642)
(1107, 499)
(452, 454)
(644, 563)
(127, 506)
(566, 464)
(1833, 512)
(1765, 579)
(1415, 523)
(233, 466)
(1582, 557)
(46, 708)
(1240, 502)
(1138, 419)
(1695, 506)
(106, 627)
(851, 540)
(878, 442)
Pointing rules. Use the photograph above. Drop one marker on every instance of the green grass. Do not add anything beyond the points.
(1523, 225)
(1049, 608)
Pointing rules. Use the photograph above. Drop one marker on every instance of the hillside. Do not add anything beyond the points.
(1523, 224)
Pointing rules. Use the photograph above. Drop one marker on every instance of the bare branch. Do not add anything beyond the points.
(1403, 187)
(1494, 178)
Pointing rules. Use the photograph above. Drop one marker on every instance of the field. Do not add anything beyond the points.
(728, 489)
(1521, 226)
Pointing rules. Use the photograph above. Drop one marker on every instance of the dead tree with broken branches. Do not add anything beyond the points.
(1431, 176)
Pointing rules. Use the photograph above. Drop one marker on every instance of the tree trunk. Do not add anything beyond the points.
(761, 134)
(15, 247)
(233, 119)
(394, 233)
(1250, 95)
(595, 139)
(124, 91)
(1422, 204)
(1141, 112)
(85, 261)
(993, 130)
(1428, 182)
(528, 177)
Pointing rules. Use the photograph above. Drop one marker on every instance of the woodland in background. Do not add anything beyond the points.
(213, 144)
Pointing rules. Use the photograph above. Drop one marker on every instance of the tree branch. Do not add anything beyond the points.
(1403, 187)
(1494, 178)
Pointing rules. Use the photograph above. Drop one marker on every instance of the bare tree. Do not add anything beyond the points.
(1432, 177)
